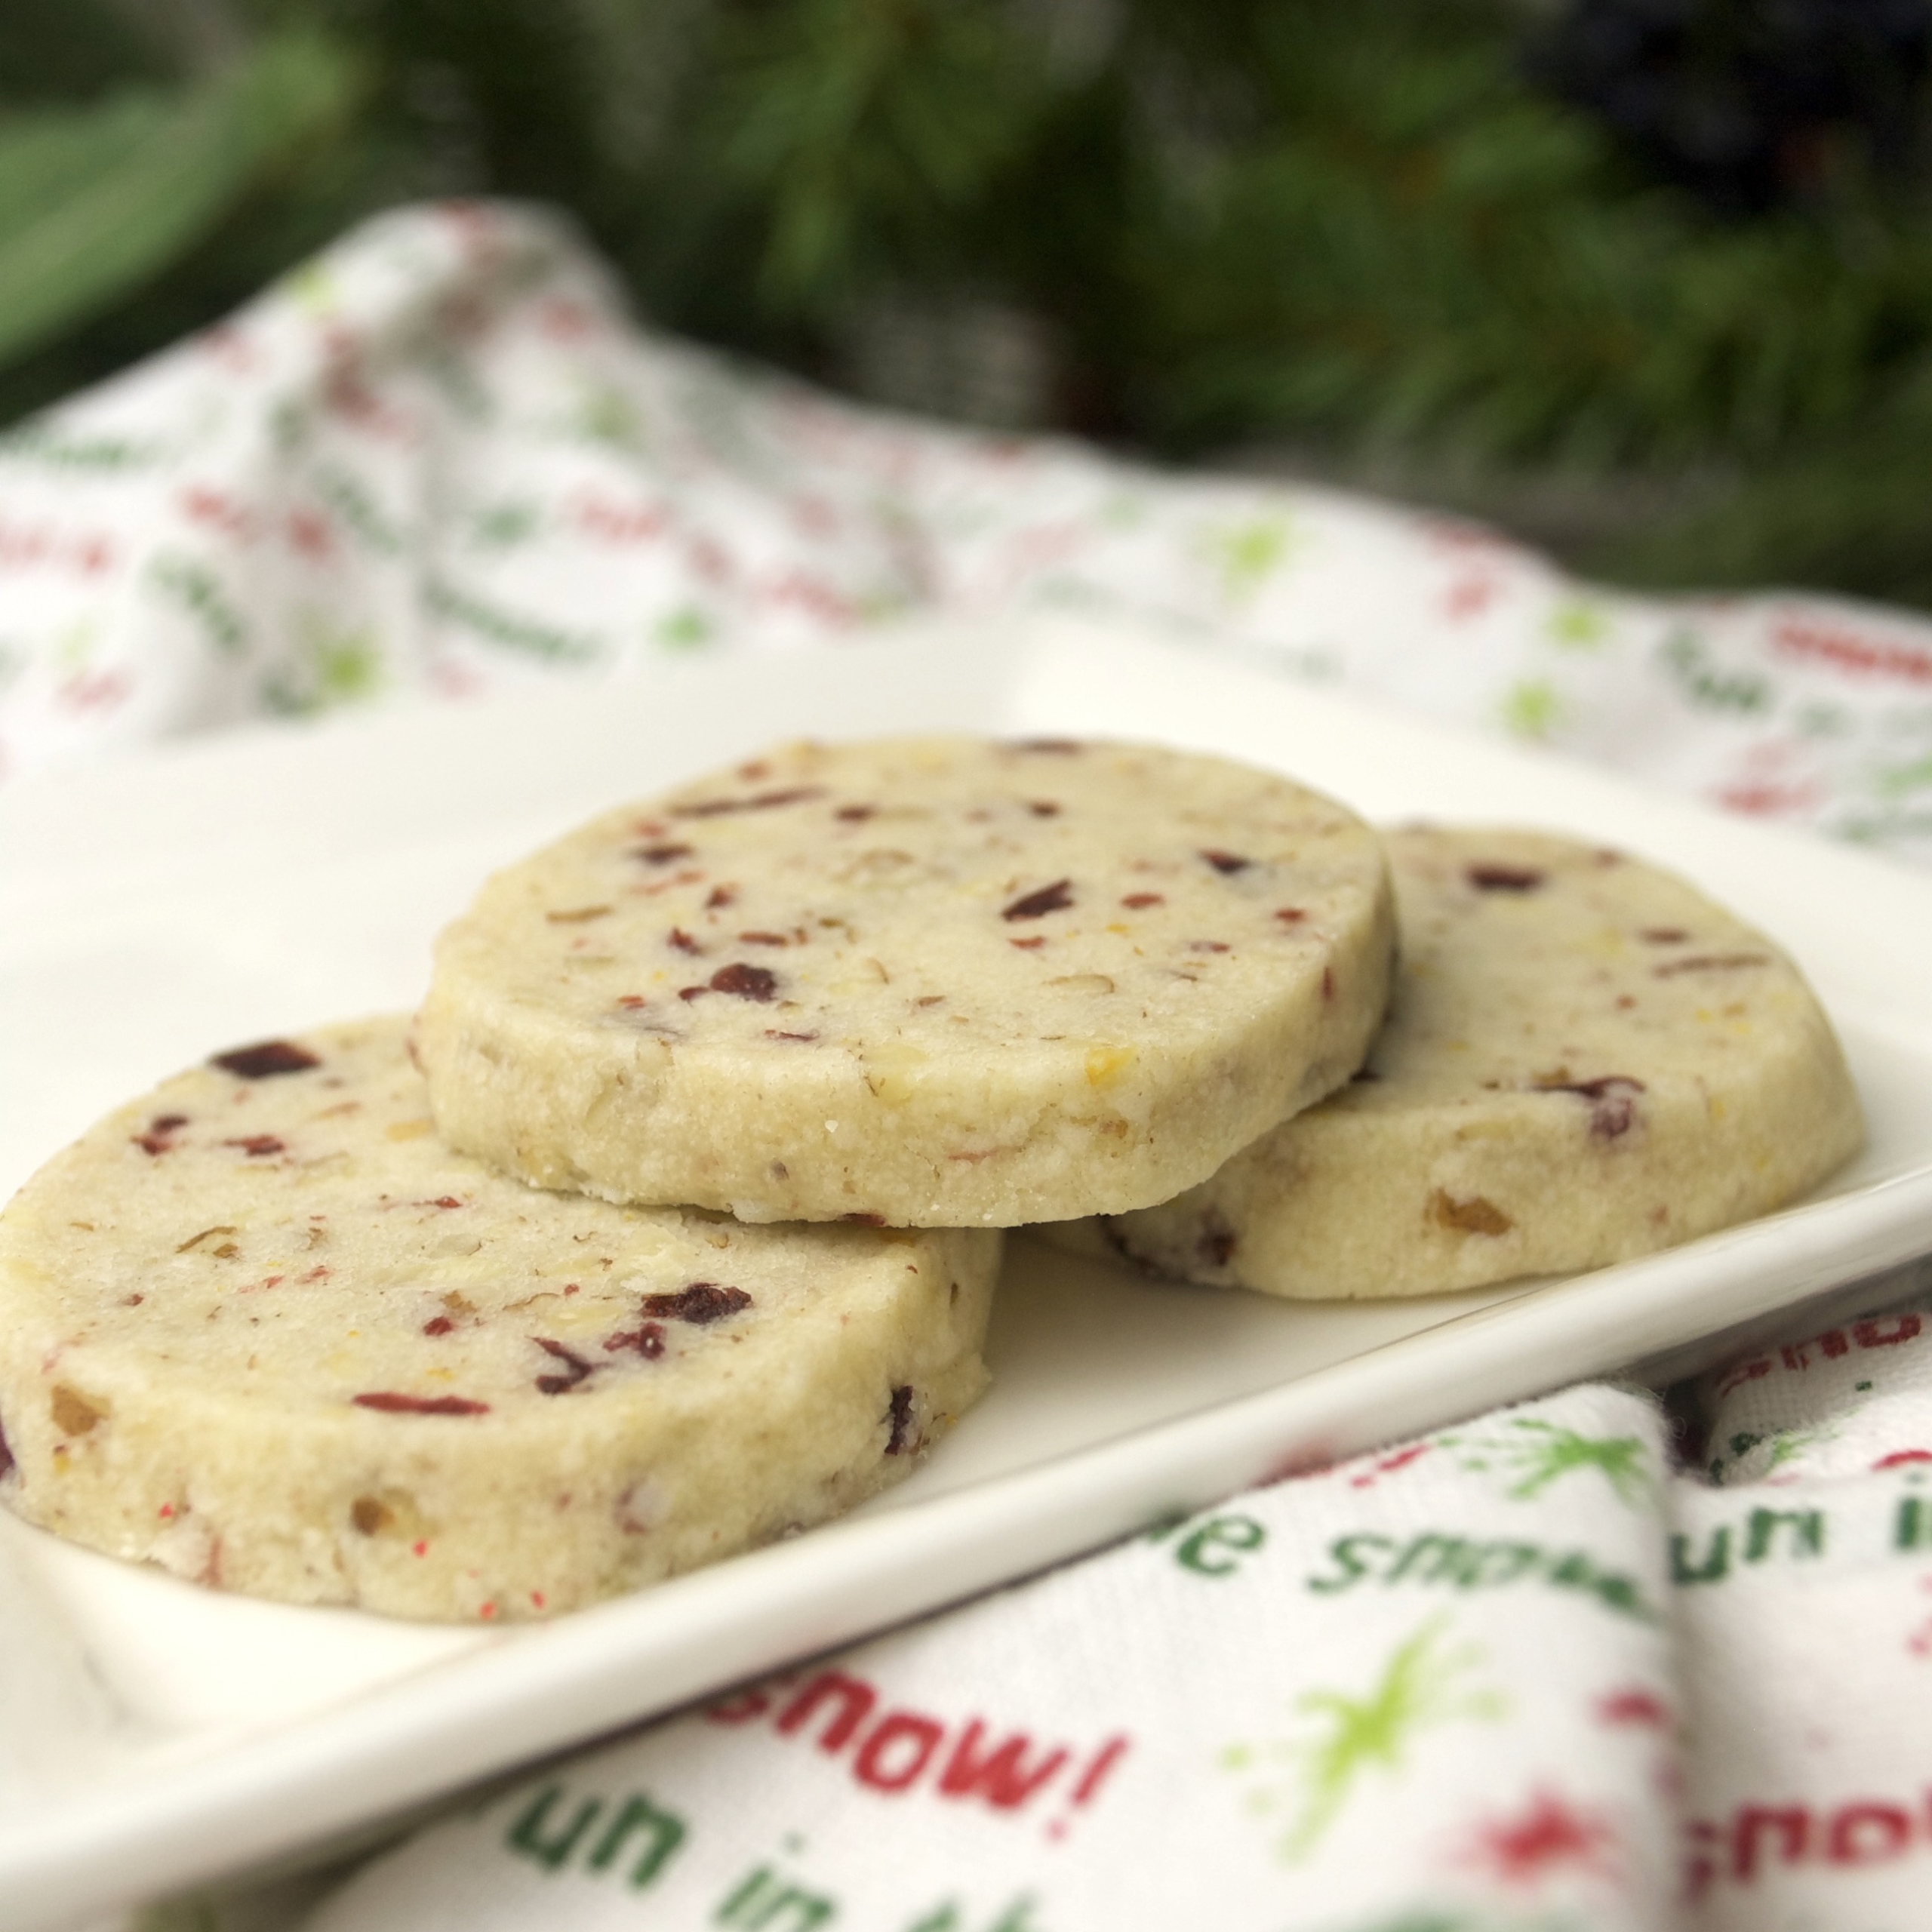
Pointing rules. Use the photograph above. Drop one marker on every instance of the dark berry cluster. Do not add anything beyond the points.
(1745, 102)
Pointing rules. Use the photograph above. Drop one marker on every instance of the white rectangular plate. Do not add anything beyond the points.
(153, 1734)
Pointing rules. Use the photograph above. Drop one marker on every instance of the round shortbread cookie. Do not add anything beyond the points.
(262, 1328)
(1585, 1060)
(934, 982)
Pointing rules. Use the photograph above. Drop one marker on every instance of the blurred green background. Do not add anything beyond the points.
(1649, 281)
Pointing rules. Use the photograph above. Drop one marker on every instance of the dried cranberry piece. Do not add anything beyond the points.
(392, 1404)
(648, 1341)
(1217, 1242)
(1595, 1090)
(1227, 862)
(759, 801)
(439, 1324)
(1709, 962)
(1613, 1104)
(702, 1303)
(855, 814)
(1137, 901)
(576, 1369)
(748, 982)
(682, 941)
(159, 1138)
(660, 855)
(900, 1417)
(1504, 878)
(265, 1059)
(1054, 898)
(6, 1455)
(256, 1146)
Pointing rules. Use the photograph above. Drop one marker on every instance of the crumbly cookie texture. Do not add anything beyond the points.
(262, 1328)
(932, 983)
(1585, 1061)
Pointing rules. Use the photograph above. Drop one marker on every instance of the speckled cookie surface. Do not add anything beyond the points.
(931, 982)
(261, 1327)
(1585, 1060)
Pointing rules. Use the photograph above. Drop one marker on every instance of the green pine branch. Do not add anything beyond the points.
(96, 200)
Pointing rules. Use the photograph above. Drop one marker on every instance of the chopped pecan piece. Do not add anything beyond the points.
(73, 1413)
(1474, 1216)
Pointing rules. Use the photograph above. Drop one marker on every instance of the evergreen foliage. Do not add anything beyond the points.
(1633, 240)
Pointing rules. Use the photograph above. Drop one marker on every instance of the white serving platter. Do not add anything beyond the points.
(153, 1734)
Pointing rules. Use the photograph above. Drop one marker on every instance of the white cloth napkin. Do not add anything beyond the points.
(1516, 1675)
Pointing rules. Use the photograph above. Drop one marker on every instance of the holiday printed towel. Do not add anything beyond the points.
(439, 460)
(1517, 1675)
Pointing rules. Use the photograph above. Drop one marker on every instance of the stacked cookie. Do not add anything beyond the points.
(1584, 1061)
(674, 1228)
(931, 982)
(264, 1328)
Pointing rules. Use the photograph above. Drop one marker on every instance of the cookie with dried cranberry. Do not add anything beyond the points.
(262, 1328)
(937, 982)
(1585, 1060)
